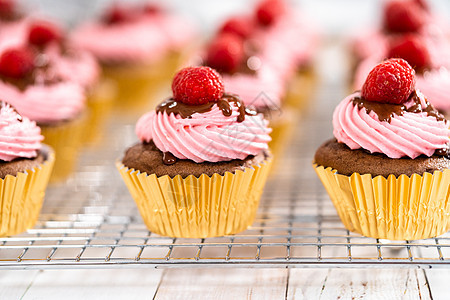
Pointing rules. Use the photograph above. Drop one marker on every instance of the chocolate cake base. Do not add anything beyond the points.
(346, 161)
(147, 158)
(20, 165)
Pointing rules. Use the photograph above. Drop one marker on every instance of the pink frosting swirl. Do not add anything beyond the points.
(436, 85)
(46, 104)
(19, 137)
(208, 136)
(145, 39)
(262, 89)
(411, 134)
(78, 65)
(131, 42)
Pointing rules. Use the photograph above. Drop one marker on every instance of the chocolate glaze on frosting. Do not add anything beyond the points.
(3, 104)
(186, 111)
(385, 111)
(41, 74)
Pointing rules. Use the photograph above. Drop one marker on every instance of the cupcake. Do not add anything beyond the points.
(25, 167)
(387, 169)
(431, 66)
(278, 24)
(236, 57)
(49, 42)
(139, 48)
(399, 17)
(202, 161)
(28, 80)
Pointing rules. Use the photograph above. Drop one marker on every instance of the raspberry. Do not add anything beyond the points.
(269, 11)
(197, 85)
(151, 9)
(42, 33)
(116, 14)
(226, 53)
(16, 62)
(403, 16)
(423, 4)
(7, 9)
(391, 81)
(412, 49)
(240, 26)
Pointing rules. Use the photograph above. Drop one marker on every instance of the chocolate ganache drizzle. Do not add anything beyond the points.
(186, 111)
(386, 111)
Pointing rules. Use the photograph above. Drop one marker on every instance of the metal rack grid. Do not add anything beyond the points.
(92, 222)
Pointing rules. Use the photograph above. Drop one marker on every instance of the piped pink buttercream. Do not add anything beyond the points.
(259, 90)
(411, 134)
(46, 104)
(19, 137)
(208, 136)
(145, 39)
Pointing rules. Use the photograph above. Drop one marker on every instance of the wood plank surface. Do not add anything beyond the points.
(223, 284)
(94, 284)
(14, 284)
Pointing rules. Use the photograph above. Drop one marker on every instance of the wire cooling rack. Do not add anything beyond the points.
(92, 222)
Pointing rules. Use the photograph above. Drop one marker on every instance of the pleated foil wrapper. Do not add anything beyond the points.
(394, 208)
(100, 102)
(197, 207)
(301, 89)
(22, 196)
(283, 128)
(66, 139)
(140, 87)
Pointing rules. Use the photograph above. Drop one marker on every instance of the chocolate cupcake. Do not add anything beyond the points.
(202, 162)
(387, 170)
(25, 167)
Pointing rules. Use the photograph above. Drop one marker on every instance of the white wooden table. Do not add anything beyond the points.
(207, 283)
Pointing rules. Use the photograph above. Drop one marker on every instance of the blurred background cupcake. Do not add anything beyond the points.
(139, 47)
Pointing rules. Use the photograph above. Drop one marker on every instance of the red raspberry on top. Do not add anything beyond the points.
(391, 81)
(16, 62)
(151, 9)
(197, 85)
(116, 14)
(226, 53)
(412, 49)
(423, 4)
(42, 33)
(7, 8)
(403, 16)
(240, 26)
(268, 11)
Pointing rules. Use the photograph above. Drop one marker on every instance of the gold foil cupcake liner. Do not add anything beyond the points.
(140, 87)
(283, 127)
(100, 102)
(403, 208)
(22, 196)
(201, 207)
(301, 89)
(66, 139)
